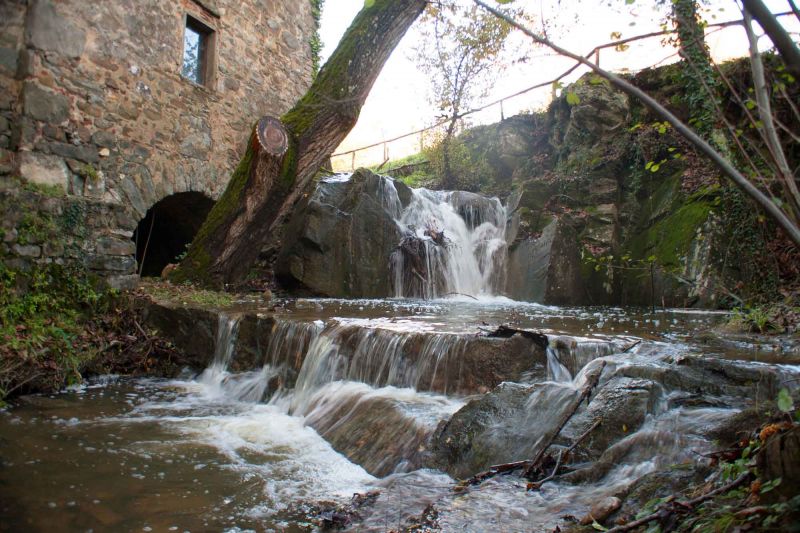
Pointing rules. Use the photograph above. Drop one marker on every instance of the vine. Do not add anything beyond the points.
(699, 78)
(315, 41)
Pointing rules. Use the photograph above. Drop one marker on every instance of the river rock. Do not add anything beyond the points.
(621, 405)
(710, 376)
(376, 433)
(192, 329)
(546, 269)
(472, 208)
(658, 484)
(601, 510)
(339, 239)
(511, 423)
(441, 363)
(453, 446)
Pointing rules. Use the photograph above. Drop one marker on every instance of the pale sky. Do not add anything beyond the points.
(398, 103)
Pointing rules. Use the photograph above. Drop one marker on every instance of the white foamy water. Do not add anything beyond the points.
(472, 259)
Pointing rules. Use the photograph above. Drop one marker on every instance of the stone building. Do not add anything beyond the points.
(143, 107)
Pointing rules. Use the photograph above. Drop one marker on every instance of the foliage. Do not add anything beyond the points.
(461, 51)
(775, 318)
(187, 293)
(413, 170)
(698, 78)
(315, 41)
(467, 169)
(41, 316)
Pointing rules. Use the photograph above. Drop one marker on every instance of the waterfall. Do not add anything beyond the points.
(378, 358)
(215, 375)
(249, 386)
(556, 371)
(453, 242)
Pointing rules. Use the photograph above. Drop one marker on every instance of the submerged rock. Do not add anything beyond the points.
(621, 406)
(377, 433)
(454, 446)
(660, 484)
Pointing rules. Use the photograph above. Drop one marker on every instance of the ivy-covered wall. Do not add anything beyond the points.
(608, 190)
(41, 226)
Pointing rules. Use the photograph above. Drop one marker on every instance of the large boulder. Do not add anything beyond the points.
(621, 407)
(382, 431)
(454, 447)
(339, 240)
(547, 269)
(506, 146)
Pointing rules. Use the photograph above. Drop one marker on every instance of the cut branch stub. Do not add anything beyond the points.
(272, 136)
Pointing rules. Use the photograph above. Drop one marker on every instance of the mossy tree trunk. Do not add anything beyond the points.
(270, 179)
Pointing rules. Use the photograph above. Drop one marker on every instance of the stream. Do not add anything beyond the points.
(305, 402)
(220, 451)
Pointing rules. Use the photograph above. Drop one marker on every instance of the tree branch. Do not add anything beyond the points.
(792, 229)
(765, 113)
(779, 36)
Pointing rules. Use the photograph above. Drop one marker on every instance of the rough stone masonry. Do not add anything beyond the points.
(93, 102)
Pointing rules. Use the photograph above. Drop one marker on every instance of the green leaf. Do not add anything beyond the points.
(769, 485)
(649, 164)
(573, 99)
(785, 402)
(369, 3)
(598, 527)
(655, 167)
(505, 1)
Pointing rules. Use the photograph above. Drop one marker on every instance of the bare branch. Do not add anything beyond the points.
(779, 36)
(789, 226)
(765, 113)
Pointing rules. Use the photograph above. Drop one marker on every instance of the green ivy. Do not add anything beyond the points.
(42, 316)
(316, 41)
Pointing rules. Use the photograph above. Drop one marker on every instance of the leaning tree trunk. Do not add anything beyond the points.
(283, 155)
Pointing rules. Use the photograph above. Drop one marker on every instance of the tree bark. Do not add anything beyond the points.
(268, 181)
(777, 34)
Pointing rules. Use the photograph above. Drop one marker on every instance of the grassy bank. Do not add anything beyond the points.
(59, 325)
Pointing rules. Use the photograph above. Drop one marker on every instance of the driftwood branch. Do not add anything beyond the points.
(506, 332)
(667, 509)
(536, 485)
(530, 465)
(585, 392)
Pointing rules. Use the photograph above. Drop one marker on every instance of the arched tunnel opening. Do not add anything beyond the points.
(168, 227)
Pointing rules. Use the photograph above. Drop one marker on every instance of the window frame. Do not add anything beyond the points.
(207, 45)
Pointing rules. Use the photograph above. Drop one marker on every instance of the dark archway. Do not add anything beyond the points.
(167, 228)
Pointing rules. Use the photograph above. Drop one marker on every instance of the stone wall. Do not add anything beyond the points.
(92, 100)
(42, 226)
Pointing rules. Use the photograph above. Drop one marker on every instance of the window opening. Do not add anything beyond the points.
(196, 51)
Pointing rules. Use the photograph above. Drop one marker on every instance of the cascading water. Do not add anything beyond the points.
(453, 243)
(330, 403)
